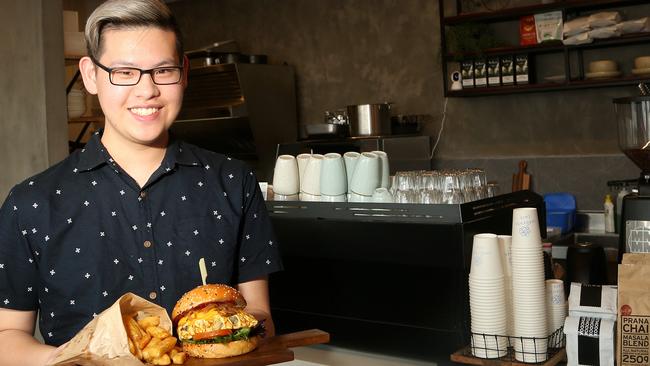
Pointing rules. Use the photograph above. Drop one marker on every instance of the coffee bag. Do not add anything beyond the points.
(633, 333)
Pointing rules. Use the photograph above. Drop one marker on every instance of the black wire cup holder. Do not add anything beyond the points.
(528, 350)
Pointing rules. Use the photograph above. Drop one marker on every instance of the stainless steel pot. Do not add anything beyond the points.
(369, 119)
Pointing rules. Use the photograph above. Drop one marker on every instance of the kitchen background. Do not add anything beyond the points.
(344, 52)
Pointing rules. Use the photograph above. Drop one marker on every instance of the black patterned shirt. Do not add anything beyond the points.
(76, 237)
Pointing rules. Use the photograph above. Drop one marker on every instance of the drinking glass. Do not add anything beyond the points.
(404, 197)
(451, 193)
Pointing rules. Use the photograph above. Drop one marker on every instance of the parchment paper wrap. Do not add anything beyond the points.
(103, 341)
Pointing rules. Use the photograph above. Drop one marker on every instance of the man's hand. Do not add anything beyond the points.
(17, 343)
(55, 353)
(256, 293)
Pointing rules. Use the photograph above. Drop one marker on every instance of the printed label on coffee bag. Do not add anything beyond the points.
(493, 71)
(507, 71)
(521, 69)
(480, 73)
(635, 340)
(467, 73)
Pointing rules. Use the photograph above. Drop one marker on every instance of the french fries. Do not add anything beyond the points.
(149, 321)
(162, 360)
(139, 337)
(151, 343)
(158, 332)
(178, 357)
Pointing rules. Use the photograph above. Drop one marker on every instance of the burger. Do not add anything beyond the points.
(211, 322)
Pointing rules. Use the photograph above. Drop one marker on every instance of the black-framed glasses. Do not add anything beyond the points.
(128, 76)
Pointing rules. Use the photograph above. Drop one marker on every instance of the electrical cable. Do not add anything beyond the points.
(442, 126)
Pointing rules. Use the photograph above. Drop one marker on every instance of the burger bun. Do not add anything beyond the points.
(221, 350)
(206, 294)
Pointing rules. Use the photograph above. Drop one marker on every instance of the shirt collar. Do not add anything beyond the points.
(179, 153)
(94, 154)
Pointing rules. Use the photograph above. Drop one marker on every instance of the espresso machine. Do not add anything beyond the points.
(633, 119)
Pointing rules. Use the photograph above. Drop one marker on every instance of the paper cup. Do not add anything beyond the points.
(555, 292)
(486, 257)
(525, 227)
(505, 242)
(555, 304)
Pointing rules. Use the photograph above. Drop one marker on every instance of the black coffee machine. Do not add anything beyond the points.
(633, 119)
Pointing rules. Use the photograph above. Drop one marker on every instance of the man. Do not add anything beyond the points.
(133, 211)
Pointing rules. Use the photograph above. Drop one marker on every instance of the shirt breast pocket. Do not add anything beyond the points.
(215, 239)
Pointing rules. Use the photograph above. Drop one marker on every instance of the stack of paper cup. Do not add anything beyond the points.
(556, 305)
(487, 299)
(505, 242)
(528, 288)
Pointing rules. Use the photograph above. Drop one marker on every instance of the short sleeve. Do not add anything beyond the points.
(18, 268)
(259, 254)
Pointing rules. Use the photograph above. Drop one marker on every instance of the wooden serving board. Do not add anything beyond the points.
(464, 356)
(271, 350)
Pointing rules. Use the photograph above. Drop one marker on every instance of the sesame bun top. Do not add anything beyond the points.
(204, 295)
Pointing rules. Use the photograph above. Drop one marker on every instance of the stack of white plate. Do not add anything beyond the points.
(76, 103)
(487, 299)
(528, 288)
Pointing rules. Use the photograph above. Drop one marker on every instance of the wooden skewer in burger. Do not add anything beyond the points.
(211, 322)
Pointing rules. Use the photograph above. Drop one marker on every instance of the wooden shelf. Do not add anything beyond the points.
(557, 46)
(86, 119)
(548, 86)
(517, 12)
(624, 40)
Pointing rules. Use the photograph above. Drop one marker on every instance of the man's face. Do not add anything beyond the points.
(140, 113)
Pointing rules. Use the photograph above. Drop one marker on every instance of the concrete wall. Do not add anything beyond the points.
(360, 51)
(364, 51)
(33, 127)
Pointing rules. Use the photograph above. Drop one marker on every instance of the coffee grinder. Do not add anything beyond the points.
(633, 119)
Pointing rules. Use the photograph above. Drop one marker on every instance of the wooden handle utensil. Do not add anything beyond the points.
(521, 179)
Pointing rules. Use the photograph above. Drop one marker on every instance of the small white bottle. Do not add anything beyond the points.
(619, 204)
(610, 226)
